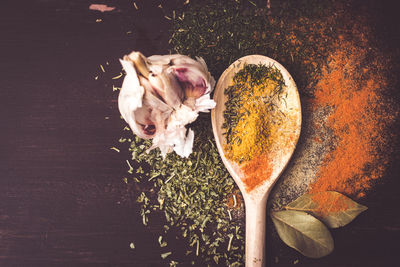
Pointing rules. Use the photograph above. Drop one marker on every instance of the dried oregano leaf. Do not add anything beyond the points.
(303, 232)
(333, 208)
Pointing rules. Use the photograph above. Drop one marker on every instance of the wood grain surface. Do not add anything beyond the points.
(62, 199)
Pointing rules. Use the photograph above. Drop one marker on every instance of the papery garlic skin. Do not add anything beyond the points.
(184, 146)
(182, 116)
(162, 94)
(204, 103)
(178, 139)
(130, 98)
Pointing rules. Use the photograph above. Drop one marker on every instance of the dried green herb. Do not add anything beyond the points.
(303, 232)
(223, 31)
(192, 194)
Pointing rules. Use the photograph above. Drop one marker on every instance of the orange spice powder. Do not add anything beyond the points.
(348, 116)
(353, 92)
(327, 205)
(256, 171)
(234, 201)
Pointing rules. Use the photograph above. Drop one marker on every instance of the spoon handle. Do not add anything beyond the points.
(255, 232)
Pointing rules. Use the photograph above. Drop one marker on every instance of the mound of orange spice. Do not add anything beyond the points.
(348, 113)
(352, 87)
(349, 118)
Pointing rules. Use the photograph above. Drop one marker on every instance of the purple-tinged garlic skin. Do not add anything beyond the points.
(193, 75)
(167, 86)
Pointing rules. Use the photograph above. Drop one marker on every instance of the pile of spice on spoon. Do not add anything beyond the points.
(255, 123)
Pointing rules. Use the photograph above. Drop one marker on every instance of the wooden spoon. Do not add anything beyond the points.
(255, 199)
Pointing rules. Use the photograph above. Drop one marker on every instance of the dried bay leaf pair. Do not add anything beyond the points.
(332, 208)
(304, 224)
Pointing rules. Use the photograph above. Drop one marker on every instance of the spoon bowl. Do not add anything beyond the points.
(255, 199)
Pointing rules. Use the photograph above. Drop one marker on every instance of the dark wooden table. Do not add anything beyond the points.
(62, 199)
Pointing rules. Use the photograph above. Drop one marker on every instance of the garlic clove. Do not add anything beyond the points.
(192, 75)
(194, 81)
(198, 64)
(130, 97)
(140, 63)
(208, 76)
(140, 107)
(145, 127)
(167, 86)
(147, 85)
(173, 90)
(151, 119)
(157, 64)
(163, 60)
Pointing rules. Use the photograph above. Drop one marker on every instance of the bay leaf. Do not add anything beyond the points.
(332, 208)
(303, 232)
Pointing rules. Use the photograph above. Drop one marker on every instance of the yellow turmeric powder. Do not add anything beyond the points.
(254, 93)
(253, 133)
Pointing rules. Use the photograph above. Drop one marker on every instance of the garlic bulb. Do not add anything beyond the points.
(161, 94)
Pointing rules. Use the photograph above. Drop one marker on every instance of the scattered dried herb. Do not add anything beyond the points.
(115, 149)
(192, 194)
(162, 242)
(165, 255)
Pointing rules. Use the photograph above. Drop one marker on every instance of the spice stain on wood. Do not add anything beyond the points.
(257, 170)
